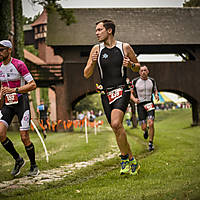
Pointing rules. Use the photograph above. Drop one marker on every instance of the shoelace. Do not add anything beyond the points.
(134, 167)
(123, 164)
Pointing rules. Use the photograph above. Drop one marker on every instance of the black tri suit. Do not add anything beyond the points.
(113, 79)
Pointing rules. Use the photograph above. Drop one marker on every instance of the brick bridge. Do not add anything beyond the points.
(149, 31)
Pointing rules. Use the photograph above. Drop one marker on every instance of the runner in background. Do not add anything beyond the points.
(81, 117)
(42, 110)
(143, 88)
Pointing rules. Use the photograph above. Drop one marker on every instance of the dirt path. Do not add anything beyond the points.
(57, 173)
(60, 173)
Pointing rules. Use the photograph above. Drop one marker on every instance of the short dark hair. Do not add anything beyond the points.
(108, 24)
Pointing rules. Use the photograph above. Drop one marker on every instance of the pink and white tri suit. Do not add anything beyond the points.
(16, 74)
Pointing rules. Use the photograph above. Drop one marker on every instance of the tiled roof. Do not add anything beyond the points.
(42, 19)
(50, 57)
(137, 26)
(32, 58)
(41, 70)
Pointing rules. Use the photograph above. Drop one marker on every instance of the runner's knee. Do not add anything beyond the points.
(151, 123)
(144, 126)
(116, 125)
(25, 138)
(2, 135)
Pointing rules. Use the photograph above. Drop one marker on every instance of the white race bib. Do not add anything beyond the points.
(114, 95)
(149, 106)
(11, 99)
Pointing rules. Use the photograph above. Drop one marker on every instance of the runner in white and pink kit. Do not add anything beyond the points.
(16, 81)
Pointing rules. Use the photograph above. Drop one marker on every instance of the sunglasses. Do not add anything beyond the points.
(2, 49)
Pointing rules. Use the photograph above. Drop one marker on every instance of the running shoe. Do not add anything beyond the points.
(151, 147)
(18, 165)
(34, 171)
(125, 167)
(146, 135)
(134, 167)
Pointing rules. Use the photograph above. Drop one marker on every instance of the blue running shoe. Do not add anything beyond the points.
(125, 167)
(134, 167)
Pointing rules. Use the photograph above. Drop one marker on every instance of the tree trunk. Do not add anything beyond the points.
(5, 19)
(18, 30)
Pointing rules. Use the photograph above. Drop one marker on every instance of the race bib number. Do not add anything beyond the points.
(149, 106)
(114, 95)
(11, 99)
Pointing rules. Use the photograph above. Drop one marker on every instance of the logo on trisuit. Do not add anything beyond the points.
(105, 56)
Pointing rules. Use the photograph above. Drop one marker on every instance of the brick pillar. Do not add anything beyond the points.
(64, 108)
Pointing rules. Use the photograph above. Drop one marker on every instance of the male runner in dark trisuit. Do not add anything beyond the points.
(113, 58)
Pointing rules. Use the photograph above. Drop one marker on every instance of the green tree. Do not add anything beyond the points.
(5, 19)
(11, 25)
(51, 5)
(12, 21)
(30, 20)
(18, 30)
(191, 3)
(32, 49)
(44, 95)
(90, 102)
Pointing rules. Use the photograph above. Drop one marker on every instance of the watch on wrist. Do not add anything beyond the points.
(134, 68)
(17, 90)
(133, 65)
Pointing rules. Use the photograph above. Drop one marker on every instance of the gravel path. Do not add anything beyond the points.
(57, 173)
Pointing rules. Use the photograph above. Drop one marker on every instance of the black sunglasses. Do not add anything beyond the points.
(1, 49)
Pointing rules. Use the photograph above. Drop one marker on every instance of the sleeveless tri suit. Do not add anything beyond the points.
(113, 78)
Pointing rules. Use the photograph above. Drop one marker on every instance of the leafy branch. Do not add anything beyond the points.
(52, 5)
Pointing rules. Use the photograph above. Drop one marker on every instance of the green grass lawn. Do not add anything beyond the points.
(171, 172)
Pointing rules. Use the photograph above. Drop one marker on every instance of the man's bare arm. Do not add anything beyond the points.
(91, 63)
(156, 95)
(133, 98)
(130, 59)
(22, 89)
(1, 97)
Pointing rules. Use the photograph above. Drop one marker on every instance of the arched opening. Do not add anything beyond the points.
(183, 100)
(90, 102)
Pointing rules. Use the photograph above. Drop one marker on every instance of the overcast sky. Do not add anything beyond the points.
(30, 10)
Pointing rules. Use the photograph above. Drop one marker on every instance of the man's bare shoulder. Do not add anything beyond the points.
(126, 45)
(95, 48)
(127, 48)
